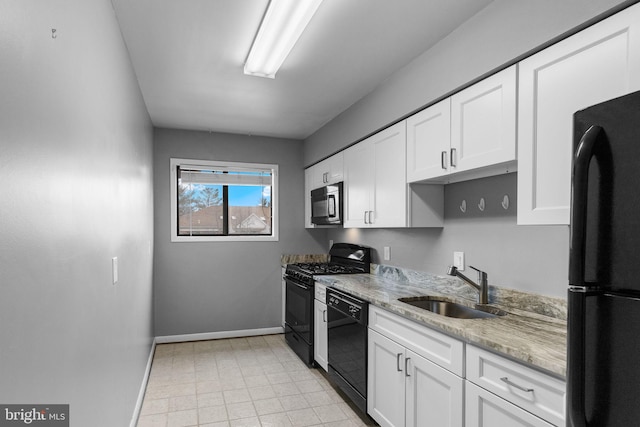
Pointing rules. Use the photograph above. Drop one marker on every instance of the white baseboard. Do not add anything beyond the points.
(143, 387)
(218, 335)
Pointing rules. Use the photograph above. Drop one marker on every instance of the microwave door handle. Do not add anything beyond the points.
(331, 205)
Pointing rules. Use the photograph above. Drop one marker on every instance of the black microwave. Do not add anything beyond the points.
(326, 205)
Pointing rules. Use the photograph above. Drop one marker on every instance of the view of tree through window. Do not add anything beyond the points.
(223, 202)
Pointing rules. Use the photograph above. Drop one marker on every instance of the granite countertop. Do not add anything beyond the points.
(533, 331)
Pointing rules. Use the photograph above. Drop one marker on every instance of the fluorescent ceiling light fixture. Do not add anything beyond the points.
(283, 23)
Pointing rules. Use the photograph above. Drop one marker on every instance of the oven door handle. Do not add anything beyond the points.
(301, 286)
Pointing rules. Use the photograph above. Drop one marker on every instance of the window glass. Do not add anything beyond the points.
(223, 199)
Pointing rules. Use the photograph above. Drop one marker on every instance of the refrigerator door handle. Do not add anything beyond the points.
(579, 187)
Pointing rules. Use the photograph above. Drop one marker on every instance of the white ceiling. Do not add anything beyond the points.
(189, 55)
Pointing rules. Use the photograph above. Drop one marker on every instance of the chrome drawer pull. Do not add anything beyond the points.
(512, 384)
(398, 367)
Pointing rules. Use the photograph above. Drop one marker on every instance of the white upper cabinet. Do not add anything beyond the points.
(483, 123)
(472, 134)
(328, 171)
(375, 189)
(308, 180)
(428, 136)
(592, 66)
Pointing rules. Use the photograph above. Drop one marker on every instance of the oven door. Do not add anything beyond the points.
(299, 309)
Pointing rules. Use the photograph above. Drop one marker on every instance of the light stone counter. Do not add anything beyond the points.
(533, 332)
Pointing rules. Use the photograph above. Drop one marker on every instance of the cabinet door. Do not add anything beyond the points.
(320, 174)
(328, 171)
(483, 123)
(428, 137)
(335, 171)
(308, 185)
(385, 381)
(390, 183)
(484, 409)
(434, 396)
(594, 65)
(320, 334)
(359, 178)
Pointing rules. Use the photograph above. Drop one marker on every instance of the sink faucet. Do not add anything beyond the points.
(482, 288)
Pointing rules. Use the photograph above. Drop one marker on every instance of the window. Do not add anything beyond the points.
(223, 201)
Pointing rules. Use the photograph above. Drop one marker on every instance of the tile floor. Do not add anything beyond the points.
(256, 381)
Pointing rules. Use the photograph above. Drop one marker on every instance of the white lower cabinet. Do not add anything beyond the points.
(406, 388)
(434, 396)
(485, 409)
(385, 382)
(416, 378)
(525, 388)
(320, 334)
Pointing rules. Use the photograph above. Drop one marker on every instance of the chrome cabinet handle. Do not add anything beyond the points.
(443, 160)
(398, 367)
(406, 367)
(367, 217)
(324, 316)
(512, 384)
(453, 158)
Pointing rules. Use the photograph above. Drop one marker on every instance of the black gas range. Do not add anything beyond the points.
(344, 258)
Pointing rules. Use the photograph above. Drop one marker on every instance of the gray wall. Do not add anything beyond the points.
(526, 258)
(501, 32)
(225, 286)
(512, 255)
(76, 173)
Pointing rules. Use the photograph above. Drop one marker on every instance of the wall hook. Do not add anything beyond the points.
(481, 205)
(463, 206)
(53, 33)
(505, 202)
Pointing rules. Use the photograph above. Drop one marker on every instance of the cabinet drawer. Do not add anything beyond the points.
(437, 347)
(529, 389)
(484, 409)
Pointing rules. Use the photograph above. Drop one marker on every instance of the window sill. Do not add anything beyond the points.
(193, 239)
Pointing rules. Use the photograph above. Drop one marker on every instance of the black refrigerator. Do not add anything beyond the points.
(603, 354)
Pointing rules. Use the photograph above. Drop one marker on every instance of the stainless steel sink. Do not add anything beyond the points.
(452, 309)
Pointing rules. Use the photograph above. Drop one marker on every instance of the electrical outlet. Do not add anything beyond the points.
(114, 269)
(387, 254)
(458, 260)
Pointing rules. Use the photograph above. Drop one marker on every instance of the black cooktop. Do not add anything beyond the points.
(344, 258)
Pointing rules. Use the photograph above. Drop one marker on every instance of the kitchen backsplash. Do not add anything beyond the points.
(293, 258)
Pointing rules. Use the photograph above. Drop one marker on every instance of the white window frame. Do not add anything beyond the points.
(210, 164)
